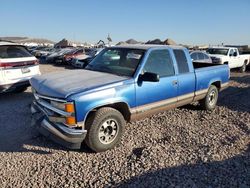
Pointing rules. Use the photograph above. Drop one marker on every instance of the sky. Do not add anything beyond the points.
(194, 22)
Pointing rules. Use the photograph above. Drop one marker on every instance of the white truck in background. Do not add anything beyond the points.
(230, 56)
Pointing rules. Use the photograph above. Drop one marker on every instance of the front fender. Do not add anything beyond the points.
(85, 103)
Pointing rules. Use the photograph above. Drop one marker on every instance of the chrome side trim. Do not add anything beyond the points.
(153, 105)
(47, 105)
(224, 86)
(178, 101)
(186, 96)
(201, 92)
(146, 107)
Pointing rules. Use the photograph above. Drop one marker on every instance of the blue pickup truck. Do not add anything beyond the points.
(121, 84)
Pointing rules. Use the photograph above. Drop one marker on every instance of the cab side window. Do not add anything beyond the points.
(231, 52)
(160, 62)
(181, 61)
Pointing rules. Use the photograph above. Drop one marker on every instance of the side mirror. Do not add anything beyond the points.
(235, 54)
(149, 77)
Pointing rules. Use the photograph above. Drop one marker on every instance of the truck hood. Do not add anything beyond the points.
(63, 84)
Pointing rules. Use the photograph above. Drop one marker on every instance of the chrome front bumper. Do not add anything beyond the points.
(65, 136)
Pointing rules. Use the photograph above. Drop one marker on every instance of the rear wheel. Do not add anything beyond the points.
(105, 128)
(243, 68)
(210, 101)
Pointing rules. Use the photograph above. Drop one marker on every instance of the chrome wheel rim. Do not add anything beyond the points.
(212, 98)
(108, 131)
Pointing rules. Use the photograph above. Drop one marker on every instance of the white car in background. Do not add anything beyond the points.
(17, 66)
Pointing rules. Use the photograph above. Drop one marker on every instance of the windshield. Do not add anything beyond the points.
(220, 51)
(119, 61)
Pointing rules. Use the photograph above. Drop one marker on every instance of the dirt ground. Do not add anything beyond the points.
(184, 147)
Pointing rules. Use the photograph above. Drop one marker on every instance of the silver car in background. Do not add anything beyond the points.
(201, 57)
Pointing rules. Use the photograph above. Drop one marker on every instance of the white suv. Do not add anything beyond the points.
(17, 66)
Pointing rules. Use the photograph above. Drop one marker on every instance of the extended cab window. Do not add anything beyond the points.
(181, 61)
(159, 62)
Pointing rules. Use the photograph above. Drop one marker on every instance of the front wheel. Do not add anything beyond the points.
(105, 128)
(210, 101)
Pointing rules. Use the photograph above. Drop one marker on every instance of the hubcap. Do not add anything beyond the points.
(108, 131)
(212, 98)
(244, 67)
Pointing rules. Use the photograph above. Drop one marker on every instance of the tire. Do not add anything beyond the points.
(104, 129)
(243, 68)
(210, 101)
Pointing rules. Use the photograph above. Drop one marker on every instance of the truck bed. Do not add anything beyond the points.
(202, 65)
(207, 73)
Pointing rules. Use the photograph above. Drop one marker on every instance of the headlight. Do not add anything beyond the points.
(58, 105)
(67, 107)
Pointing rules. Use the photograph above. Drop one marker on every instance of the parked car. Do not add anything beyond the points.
(83, 60)
(121, 84)
(31, 48)
(45, 54)
(42, 52)
(68, 56)
(201, 57)
(17, 66)
(230, 56)
(58, 52)
(93, 51)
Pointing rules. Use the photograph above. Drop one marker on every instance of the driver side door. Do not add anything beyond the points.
(151, 96)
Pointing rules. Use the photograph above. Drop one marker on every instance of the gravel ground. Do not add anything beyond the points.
(184, 147)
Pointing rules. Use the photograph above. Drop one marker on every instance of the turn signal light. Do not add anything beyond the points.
(70, 120)
(69, 108)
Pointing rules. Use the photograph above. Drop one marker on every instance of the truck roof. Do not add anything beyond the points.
(147, 46)
(221, 47)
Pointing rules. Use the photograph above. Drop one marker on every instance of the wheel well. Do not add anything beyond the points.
(120, 106)
(217, 84)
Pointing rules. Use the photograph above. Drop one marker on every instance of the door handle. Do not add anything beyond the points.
(175, 82)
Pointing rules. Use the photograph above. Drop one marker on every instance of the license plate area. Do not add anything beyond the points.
(25, 70)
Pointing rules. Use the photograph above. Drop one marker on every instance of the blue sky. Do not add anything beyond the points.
(185, 21)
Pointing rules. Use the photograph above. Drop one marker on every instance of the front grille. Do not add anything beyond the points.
(45, 105)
